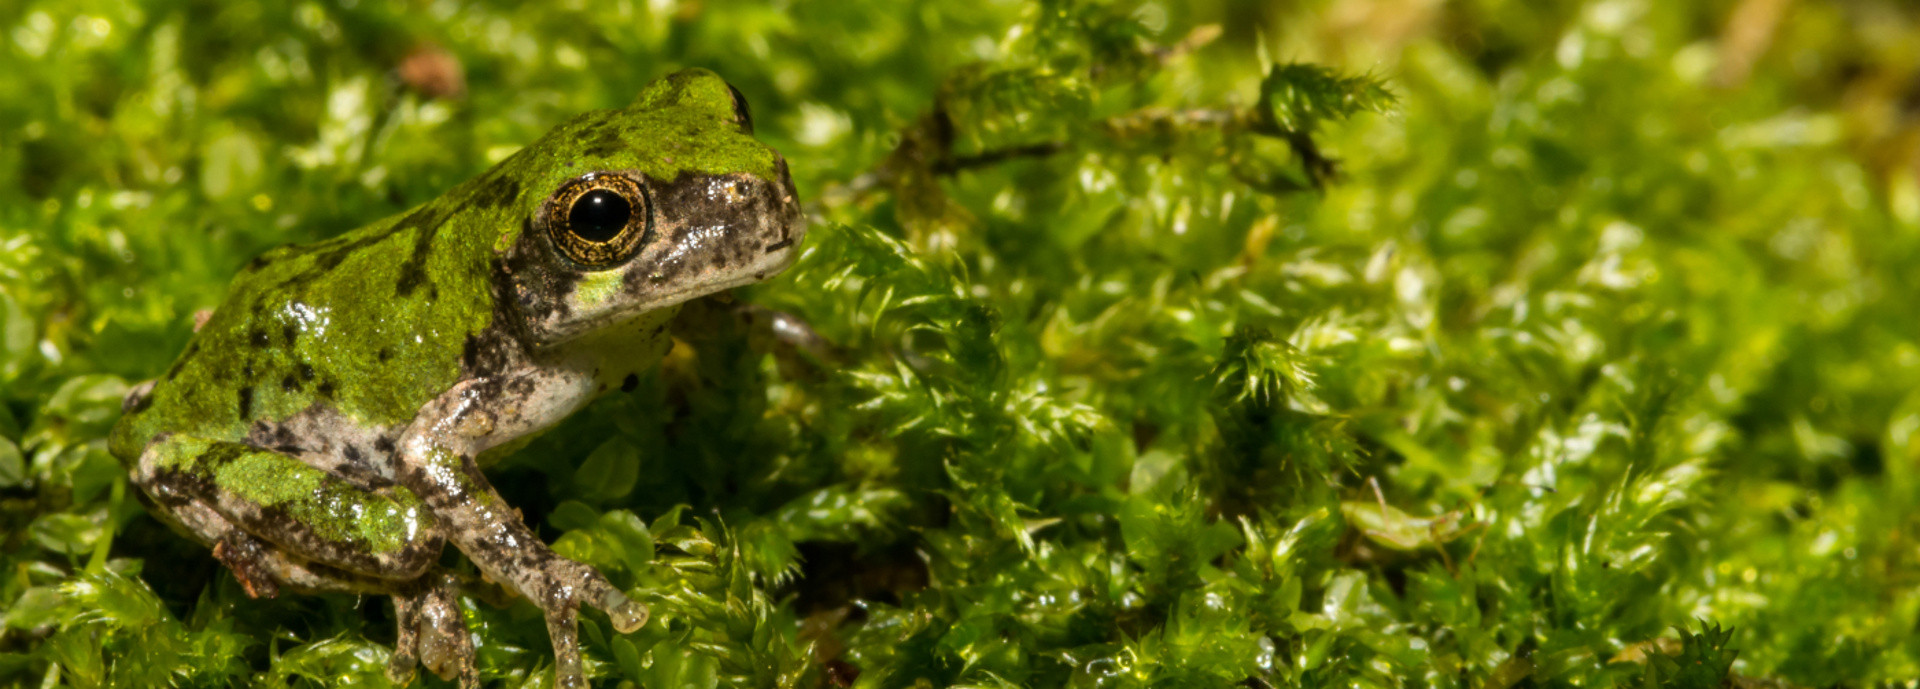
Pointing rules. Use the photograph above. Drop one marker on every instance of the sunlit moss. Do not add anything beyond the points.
(1160, 344)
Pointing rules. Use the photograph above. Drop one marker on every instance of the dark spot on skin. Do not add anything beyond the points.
(424, 223)
(384, 354)
(258, 338)
(632, 381)
(383, 444)
(140, 404)
(786, 178)
(355, 553)
(500, 191)
(289, 384)
(329, 254)
(742, 113)
(542, 299)
(332, 260)
(410, 278)
(181, 487)
(258, 262)
(246, 372)
(352, 453)
(490, 351)
(782, 244)
(433, 293)
(163, 487)
(246, 403)
(604, 138)
(174, 370)
(326, 389)
(360, 475)
(288, 333)
(470, 353)
(521, 386)
(306, 371)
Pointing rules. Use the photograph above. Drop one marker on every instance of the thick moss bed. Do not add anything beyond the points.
(1373, 344)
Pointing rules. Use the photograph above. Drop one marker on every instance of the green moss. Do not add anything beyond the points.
(1161, 344)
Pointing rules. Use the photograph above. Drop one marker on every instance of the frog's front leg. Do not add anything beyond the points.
(436, 462)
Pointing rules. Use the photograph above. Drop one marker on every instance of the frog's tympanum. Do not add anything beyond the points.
(326, 428)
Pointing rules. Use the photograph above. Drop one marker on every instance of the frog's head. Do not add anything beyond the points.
(628, 211)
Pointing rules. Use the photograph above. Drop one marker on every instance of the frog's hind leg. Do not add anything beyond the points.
(287, 505)
(429, 628)
(185, 478)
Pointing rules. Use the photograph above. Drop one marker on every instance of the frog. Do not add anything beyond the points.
(327, 427)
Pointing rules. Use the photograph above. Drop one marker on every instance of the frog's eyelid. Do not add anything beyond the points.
(742, 112)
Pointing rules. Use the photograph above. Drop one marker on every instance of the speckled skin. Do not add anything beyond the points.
(325, 428)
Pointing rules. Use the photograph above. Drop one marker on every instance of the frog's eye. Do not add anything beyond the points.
(599, 219)
(742, 113)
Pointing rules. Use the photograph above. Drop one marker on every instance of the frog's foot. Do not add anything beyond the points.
(432, 633)
(626, 614)
(568, 584)
(445, 645)
(245, 556)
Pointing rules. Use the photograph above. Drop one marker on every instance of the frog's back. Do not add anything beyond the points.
(371, 325)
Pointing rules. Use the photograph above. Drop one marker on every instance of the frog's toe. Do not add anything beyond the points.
(441, 655)
(627, 614)
(447, 656)
(442, 641)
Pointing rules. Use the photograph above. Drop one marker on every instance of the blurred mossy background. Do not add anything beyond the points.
(1374, 343)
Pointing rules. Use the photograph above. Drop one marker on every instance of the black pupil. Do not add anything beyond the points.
(598, 215)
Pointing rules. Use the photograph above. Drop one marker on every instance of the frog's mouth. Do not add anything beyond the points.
(717, 232)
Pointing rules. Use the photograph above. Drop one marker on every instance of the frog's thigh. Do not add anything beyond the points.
(307, 512)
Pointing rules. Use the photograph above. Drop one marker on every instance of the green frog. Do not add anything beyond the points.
(326, 427)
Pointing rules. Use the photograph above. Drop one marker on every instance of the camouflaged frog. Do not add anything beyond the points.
(326, 428)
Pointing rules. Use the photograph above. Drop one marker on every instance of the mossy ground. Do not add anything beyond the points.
(1382, 343)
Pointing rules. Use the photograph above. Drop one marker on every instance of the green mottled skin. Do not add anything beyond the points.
(309, 495)
(427, 302)
(325, 427)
